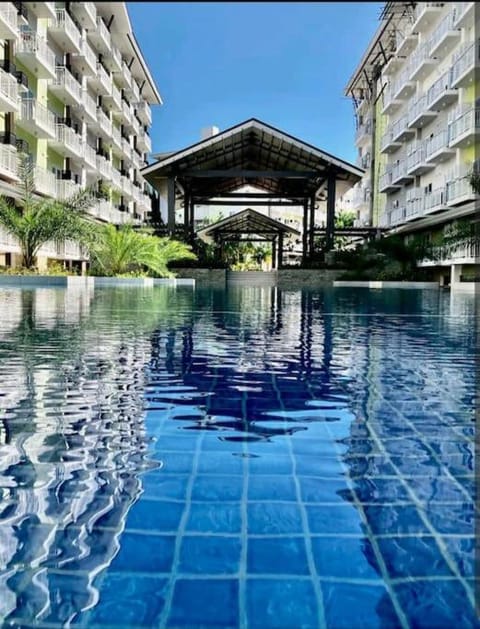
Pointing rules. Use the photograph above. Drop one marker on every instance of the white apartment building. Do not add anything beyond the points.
(417, 107)
(75, 93)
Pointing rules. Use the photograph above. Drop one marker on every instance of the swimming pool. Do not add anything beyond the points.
(246, 457)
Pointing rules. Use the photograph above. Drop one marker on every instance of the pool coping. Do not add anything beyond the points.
(75, 281)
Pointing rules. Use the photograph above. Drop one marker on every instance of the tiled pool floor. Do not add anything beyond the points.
(250, 458)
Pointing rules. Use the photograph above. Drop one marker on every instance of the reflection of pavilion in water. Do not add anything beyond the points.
(72, 442)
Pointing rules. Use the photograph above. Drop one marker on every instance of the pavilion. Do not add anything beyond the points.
(285, 170)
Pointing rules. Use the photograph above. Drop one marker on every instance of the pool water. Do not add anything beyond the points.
(247, 457)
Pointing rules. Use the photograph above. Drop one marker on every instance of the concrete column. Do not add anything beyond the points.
(274, 253)
(280, 251)
(312, 224)
(330, 227)
(455, 272)
(305, 231)
(171, 205)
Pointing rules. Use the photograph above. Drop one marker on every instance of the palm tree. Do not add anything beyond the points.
(124, 250)
(38, 221)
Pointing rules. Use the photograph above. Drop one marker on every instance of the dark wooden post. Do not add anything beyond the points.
(330, 227)
(171, 205)
(274, 253)
(280, 250)
(186, 214)
(305, 230)
(312, 224)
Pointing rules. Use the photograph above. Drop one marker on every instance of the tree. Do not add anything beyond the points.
(124, 250)
(37, 221)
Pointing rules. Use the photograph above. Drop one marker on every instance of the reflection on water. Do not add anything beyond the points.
(340, 415)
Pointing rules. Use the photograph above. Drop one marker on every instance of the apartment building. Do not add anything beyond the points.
(417, 107)
(76, 95)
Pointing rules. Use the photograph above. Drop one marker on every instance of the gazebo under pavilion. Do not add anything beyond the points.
(252, 226)
(286, 171)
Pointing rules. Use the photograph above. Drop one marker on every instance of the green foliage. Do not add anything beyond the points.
(38, 221)
(345, 219)
(124, 251)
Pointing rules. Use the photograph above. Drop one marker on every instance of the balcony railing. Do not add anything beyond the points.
(445, 29)
(105, 79)
(103, 33)
(67, 188)
(70, 140)
(419, 113)
(464, 64)
(441, 90)
(8, 92)
(38, 114)
(89, 105)
(66, 26)
(66, 80)
(44, 182)
(436, 144)
(144, 112)
(8, 21)
(105, 124)
(420, 60)
(8, 161)
(363, 131)
(104, 167)
(31, 44)
(465, 123)
(90, 156)
(466, 249)
(459, 190)
(435, 200)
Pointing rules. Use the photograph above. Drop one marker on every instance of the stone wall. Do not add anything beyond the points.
(203, 276)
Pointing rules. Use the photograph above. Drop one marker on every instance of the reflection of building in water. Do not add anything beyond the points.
(72, 441)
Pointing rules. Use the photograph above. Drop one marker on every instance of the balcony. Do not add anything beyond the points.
(419, 115)
(435, 201)
(41, 9)
(387, 144)
(8, 162)
(437, 149)
(87, 110)
(104, 167)
(144, 143)
(90, 158)
(67, 142)
(464, 65)
(85, 13)
(125, 76)
(459, 191)
(8, 21)
(36, 119)
(426, 13)
(403, 86)
(421, 63)
(116, 138)
(66, 188)
(464, 14)
(363, 135)
(45, 182)
(66, 87)
(390, 103)
(400, 130)
(405, 43)
(85, 60)
(101, 37)
(441, 93)
(416, 159)
(446, 36)
(399, 172)
(386, 181)
(115, 178)
(127, 150)
(8, 92)
(126, 186)
(393, 216)
(464, 129)
(104, 124)
(143, 111)
(101, 81)
(113, 61)
(132, 91)
(35, 54)
(64, 31)
(127, 113)
(114, 100)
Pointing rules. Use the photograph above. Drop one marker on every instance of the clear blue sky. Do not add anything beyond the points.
(286, 63)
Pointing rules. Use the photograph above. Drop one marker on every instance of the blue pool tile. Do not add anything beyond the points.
(209, 555)
(380, 490)
(277, 555)
(217, 488)
(334, 519)
(439, 489)
(413, 557)
(270, 465)
(437, 605)
(144, 553)
(346, 558)
(318, 466)
(127, 601)
(313, 489)
(221, 463)
(166, 486)
(462, 551)
(393, 520)
(360, 466)
(176, 462)
(155, 515)
(354, 606)
(204, 603)
(281, 604)
(212, 517)
(449, 519)
(280, 487)
(268, 518)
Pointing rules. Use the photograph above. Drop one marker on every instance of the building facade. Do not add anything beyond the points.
(75, 95)
(417, 108)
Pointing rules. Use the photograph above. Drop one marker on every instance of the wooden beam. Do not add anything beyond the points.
(171, 204)
(330, 226)
(255, 195)
(249, 203)
(251, 174)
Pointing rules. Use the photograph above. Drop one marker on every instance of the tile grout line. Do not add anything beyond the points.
(243, 569)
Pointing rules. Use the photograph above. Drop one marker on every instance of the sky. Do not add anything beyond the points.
(285, 63)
